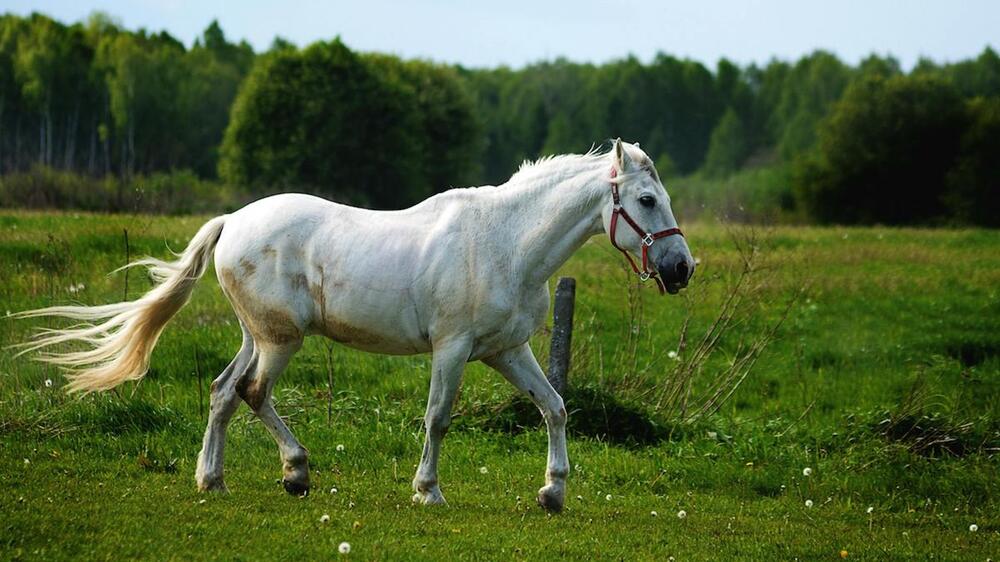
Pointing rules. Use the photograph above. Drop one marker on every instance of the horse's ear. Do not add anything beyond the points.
(622, 159)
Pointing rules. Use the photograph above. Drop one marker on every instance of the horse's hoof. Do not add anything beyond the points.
(431, 497)
(295, 487)
(550, 498)
(213, 485)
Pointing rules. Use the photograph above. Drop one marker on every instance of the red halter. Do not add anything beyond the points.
(647, 238)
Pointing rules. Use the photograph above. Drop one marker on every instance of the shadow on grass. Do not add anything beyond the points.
(593, 412)
(104, 415)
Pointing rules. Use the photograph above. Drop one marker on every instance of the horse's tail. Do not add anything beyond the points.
(118, 348)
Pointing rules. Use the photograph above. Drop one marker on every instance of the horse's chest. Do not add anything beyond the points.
(503, 323)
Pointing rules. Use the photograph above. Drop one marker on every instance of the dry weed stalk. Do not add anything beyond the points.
(691, 391)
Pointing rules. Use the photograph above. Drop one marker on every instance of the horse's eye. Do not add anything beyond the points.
(647, 201)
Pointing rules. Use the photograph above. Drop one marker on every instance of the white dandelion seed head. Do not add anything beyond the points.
(608, 497)
(483, 470)
(344, 548)
(809, 503)
(579, 498)
(870, 509)
(682, 514)
(653, 513)
(48, 383)
(973, 528)
(324, 519)
(807, 471)
(333, 490)
(672, 354)
(340, 449)
(26, 461)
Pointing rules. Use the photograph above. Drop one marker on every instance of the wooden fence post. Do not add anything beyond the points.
(562, 334)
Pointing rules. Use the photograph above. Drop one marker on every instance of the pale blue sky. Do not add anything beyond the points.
(516, 32)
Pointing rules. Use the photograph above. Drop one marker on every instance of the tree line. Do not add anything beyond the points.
(139, 110)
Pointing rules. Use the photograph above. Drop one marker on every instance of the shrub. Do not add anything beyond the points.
(884, 153)
(974, 183)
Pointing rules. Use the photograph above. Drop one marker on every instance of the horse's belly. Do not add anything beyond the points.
(381, 323)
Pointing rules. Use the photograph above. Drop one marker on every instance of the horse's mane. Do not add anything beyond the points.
(557, 167)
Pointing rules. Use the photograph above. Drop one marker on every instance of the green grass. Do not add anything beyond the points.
(898, 324)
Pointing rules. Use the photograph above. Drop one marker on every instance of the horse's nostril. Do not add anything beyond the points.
(682, 269)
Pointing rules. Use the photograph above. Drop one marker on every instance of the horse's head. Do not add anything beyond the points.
(641, 220)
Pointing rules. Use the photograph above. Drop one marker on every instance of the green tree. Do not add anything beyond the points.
(974, 183)
(728, 146)
(321, 120)
(884, 153)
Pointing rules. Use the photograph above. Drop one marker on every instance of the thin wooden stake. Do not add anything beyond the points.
(128, 258)
(562, 334)
(201, 391)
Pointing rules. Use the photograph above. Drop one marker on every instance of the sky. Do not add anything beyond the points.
(517, 32)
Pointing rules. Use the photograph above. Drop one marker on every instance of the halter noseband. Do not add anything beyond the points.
(646, 238)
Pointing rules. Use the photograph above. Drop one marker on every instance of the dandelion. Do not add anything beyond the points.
(483, 470)
(324, 519)
(807, 471)
(653, 513)
(973, 528)
(682, 514)
(48, 383)
(333, 490)
(344, 548)
(673, 355)
(340, 449)
(26, 461)
(843, 554)
(809, 503)
(870, 510)
(608, 497)
(202, 502)
(579, 498)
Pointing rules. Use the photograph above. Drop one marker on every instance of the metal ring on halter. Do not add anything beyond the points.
(647, 240)
(644, 276)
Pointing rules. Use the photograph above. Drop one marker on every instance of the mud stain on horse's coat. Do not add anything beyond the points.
(269, 324)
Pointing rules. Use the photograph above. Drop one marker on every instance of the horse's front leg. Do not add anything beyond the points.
(519, 366)
(446, 375)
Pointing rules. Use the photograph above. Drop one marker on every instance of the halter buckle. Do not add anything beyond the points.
(644, 276)
(647, 240)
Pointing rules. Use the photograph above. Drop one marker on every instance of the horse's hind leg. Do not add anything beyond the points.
(224, 401)
(256, 391)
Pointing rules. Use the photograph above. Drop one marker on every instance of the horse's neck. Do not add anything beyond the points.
(558, 216)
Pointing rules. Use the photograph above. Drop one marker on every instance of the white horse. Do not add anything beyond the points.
(463, 275)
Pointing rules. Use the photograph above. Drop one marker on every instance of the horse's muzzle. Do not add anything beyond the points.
(676, 272)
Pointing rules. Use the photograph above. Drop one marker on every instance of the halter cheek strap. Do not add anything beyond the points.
(646, 238)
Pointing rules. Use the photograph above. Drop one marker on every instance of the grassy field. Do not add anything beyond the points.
(884, 380)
